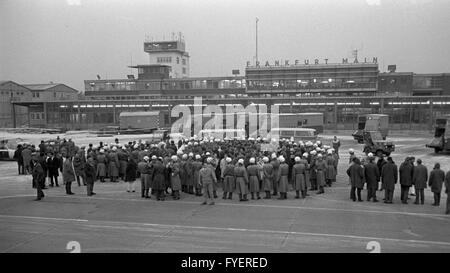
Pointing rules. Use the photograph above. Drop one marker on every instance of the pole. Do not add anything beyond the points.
(257, 40)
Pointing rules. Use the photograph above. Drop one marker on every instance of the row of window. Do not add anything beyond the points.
(169, 60)
(7, 93)
(37, 116)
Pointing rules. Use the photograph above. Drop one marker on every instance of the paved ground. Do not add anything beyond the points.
(117, 221)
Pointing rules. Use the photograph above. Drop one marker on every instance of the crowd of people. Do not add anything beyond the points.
(249, 168)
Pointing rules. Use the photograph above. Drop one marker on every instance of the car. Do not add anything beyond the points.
(8, 148)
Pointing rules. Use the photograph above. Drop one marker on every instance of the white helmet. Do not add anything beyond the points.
(274, 155)
(102, 151)
(191, 154)
(228, 159)
(319, 155)
(351, 150)
(313, 152)
(305, 155)
(252, 160)
(241, 161)
(197, 157)
(330, 151)
(174, 158)
(185, 156)
(297, 159)
(281, 159)
(370, 155)
(135, 146)
(146, 158)
(209, 159)
(266, 159)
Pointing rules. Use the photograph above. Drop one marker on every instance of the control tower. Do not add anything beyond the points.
(171, 53)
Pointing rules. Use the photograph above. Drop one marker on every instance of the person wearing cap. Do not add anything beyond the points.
(206, 178)
(435, 181)
(330, 173)
(276, 174)
(253, 177)
(420, 178)
(312, 172)
(130, 173)
(372, 176)
(175, 181)
(268, 175)
(89, 171)
(283, 183)
(38, 177)
(189, 169)
(26, 156)
(196, 166)
(389, 177)
(229, 183)
(406, 172)
(320, 169)
(122, 156)
(158, 179)
(68, 174)
(241, 180)
(101, 165)
(53, 164)
(113, 165)
(182, 173)
(356, 174)
(336, 144)
(79, 165)
(145, 170)
(380, 163)
(298, 177)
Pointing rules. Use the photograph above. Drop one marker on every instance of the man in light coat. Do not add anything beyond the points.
(206, 178)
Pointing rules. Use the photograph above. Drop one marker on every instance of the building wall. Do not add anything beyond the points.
(11, 91)
(59, 92)
(395, 84)
(175, 60)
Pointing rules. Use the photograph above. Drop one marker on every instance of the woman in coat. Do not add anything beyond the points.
(130, 174)
(68, 174)
(113, 164)
(101, 165)
(356, 174)
(330, 173)
(437, 177)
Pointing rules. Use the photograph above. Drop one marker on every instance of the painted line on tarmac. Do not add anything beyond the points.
(44, 218)
(440, 216)
(121, 225)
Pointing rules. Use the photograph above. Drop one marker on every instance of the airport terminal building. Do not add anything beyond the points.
(341, 91)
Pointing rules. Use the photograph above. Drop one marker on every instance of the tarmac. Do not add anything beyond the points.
(117, 221)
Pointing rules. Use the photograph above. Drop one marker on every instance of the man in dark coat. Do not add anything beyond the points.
(406, 172)
(53, 165)
(372, 176)
(389, 177)
(159, 179)
(38, 176)
(437, 177)
(380, 164)
(68, 174)
(356, 174)
(420, 179)
(18, 157)
(90, 175)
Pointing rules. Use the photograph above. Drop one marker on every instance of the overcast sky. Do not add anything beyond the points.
(68, 41)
